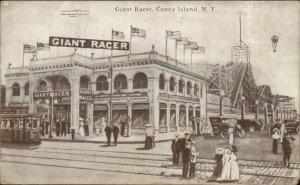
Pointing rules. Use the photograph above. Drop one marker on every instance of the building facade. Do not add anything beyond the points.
(146, 88)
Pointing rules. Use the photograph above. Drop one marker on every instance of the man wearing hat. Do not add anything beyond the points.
(186, 159)
(287, 149)
(193, 159)
(108, 130)
(175, 150)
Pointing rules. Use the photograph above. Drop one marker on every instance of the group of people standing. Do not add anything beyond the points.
(83, 127)
(226, 169)
(187, 149)
(62, 127)
(282, 136)
(112, 130)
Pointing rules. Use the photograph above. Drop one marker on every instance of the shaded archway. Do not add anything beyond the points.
(140, 81)
(120, 82)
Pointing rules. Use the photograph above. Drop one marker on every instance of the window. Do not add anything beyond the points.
(196, 90)
(172, 84)
(42, 86)
(201, 91)
(120, 82)
(101, 83)
(26, 89)
(189, 87)
(181, 86)
(16, 89)
(161, 82)
(84, 82)
(140, 81)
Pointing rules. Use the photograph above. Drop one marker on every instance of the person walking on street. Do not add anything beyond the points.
(122, 124)
(193, 159)
(186, 159)
(46, 126)
(115, 131)
(64, 127)
(287, 149)
(219, 164)
(275, 137)
(175, 150)
(108, 131)
(57, 127)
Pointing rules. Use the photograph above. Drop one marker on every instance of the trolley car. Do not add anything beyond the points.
(19, 127)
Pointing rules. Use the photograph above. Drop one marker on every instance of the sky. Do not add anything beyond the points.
(33, 21)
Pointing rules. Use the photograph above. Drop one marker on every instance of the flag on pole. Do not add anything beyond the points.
(194, 45)
(42, 46)
(173, 34)
(199, 49)
(29, 48)
(137, 32)
(187, 44)
(118, 35)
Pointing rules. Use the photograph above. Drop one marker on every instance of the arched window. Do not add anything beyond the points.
(26, 89)
(140, 81)
(161, 82)
(84, 82)
(16, 89)
(196, 90)
(42, 86)
(120, 82)
(181, 86)
(101, 83)
(172, 84)
(60, 82)
(189, 87)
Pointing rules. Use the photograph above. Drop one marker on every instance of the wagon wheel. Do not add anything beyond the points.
(252, 128)
(241, 133)
(224, 134)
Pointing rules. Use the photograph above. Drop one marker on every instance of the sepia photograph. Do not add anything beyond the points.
(150, 92)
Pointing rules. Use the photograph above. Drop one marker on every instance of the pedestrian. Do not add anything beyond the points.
(68, 126)
(57, 127)
(86, 127)
(149, 137)
(193, 125)
(225, 176)
(175, 150)
(108, 131)
(234, 168)
(81, 127)
(219, 164)
(46, 126)
(198, 127)
(64, 127)
(122, 124)
(282, 131)
(287, 149)
(115, 131)
(275, 137)
(186, 158)
(42, 125)
(193, 162)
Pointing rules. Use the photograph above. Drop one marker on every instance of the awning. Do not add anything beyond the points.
(140, 106)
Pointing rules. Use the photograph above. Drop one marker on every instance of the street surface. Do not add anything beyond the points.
(87, 163)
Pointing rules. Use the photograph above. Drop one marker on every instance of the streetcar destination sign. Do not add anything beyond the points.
(88, 43)
(53, 94)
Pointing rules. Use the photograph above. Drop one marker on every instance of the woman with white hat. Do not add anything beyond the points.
(225, 175)
(218, 169)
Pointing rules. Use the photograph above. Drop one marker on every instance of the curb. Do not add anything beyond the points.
(101, 142)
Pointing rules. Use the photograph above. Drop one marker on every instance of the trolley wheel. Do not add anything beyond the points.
(252, 128)
(241, 133)
(224, 134)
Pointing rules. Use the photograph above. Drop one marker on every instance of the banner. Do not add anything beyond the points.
(137, 32)
(118, 34)
(42, 46)
(88, 43)
(29, 48)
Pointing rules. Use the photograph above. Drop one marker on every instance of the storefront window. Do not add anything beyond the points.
(16, 89)
(120, 82)
(172, 84)
(163, 117)
(140, 81)
(140, 115)
(101, 83)
(161, 82)
(181, 86)
(182, 116)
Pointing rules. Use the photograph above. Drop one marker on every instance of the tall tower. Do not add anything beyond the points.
(240, 52)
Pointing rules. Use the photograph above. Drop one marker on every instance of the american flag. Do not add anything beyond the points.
(137, 32)
(200, 50)
(173, 34)
(42, 46)
(27, 48)
(118, 34)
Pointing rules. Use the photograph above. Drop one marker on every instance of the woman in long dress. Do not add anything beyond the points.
(81, 129)
(225, 176)
(234, 168)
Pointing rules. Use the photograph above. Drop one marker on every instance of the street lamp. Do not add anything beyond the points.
(266, 113)
(243, 107)
(52, 101)
(222, 94)
(272, 106)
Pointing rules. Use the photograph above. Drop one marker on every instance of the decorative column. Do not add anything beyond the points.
(222, 93)
(168, 117)
(130, 85)
(90, 115)
(187, 116)
(129, 109)
(266, 113)
(243, 107)
(177, 117)
(75, 102)
(31, 90)
(153, 102)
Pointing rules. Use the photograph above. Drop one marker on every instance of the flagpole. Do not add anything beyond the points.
(23, 56)
(176, 50)
(166, 44)
(111, 80)
(130, 42)
(37, 51)
(191, 59)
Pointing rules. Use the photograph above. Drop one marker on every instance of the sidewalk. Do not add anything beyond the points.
(93, 138)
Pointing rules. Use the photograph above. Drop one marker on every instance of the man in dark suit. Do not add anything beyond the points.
(108, 131)
(64, 127)
(186, 159)
(175, 150)
(287, 149)
(115, 131)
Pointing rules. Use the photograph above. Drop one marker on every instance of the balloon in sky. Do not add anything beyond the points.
(274, 40)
